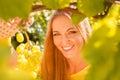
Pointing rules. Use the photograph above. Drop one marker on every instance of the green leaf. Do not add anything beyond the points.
(4, 51)
(103, 49)
(56, 4)
(101, 53)
(91, 8)
(15, 8)
(76, 18)
(12, 74)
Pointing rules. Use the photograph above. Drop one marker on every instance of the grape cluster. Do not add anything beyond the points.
(29, 57)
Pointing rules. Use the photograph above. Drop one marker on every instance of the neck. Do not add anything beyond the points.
(76, 64)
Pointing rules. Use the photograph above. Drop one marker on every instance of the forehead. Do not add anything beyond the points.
(62, 21)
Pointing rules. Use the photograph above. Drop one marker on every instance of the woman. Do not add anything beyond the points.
(62, 58)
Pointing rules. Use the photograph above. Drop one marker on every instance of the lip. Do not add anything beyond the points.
(67, 48)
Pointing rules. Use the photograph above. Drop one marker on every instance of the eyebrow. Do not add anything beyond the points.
(67, 29)
(71, 28)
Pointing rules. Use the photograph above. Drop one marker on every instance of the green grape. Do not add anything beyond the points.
(26, 53)
(29, 57)
(22, 59)
(19, 37)
(35, 48)
(34, 74)
(20, 48)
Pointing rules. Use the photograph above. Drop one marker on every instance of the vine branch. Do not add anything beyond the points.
(72, 8)
(113, 1)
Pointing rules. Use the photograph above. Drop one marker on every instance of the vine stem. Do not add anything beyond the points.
(26, 35)
(43, 7)
(75, 10)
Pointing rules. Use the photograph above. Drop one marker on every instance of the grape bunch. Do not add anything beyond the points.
(29, 57)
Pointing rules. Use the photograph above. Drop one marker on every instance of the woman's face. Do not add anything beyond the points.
(66, 36)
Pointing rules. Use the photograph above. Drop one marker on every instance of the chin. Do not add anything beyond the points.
(68, 56)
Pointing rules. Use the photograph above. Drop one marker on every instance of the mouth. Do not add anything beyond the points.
(67, 48)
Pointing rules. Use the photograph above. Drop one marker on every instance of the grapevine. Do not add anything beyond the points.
(29, 57)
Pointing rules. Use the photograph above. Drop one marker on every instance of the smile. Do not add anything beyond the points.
(67, 48)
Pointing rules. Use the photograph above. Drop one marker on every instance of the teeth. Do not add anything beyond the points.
(67, 48)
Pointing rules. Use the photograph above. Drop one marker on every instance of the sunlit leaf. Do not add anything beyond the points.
(4, 49)
(15, 8)
(11, 74)
(76, 18)
(103, 50)
(56, 4)
(91, 8)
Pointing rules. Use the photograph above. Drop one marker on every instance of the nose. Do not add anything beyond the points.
(65, 40)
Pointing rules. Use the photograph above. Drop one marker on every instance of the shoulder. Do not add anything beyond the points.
(79, 75)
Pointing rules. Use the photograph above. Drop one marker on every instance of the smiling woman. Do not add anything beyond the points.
(62, 58)
(66, 37)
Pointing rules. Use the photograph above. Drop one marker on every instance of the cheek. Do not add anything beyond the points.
(56, 43)
(79, 42)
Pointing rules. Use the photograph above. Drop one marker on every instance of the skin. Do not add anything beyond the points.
(69, 41)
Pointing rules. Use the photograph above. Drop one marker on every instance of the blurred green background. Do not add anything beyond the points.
(20, 54)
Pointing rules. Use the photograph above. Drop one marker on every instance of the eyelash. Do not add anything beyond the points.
(73, 31)
(56, 34)
(70, 32)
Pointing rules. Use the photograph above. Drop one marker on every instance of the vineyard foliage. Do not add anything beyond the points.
(102, 50)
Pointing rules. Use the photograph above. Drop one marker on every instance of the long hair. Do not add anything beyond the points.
(54, 65)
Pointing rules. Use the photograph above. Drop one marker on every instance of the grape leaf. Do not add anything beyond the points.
(56, 4)
(76, 18)
(4, 50)
(12, 74)
(91, 8)
(15, 8)
(103, 49)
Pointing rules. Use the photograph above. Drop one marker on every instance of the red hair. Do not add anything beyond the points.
(54, 65)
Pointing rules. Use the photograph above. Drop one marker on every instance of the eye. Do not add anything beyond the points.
(56, 34)
(72, 32)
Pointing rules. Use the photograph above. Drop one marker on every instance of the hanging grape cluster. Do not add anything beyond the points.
(29, 57)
